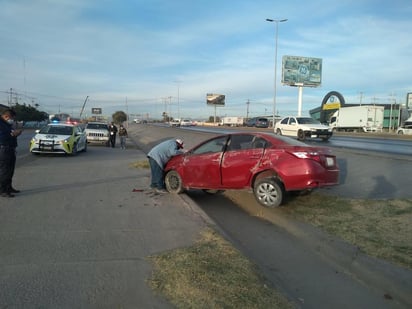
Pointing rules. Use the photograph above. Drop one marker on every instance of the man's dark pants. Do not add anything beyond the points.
(7, 165)
(157, 175)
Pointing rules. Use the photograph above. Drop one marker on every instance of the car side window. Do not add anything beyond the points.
(241, 142)
(285, 121)
(292, 121)
(259, 143)
(215, 145)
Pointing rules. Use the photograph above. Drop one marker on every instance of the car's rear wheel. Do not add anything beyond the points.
(278, 132)
(173, 182)
(268, 192)
(301, 135)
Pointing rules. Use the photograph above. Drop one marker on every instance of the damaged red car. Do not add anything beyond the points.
(268, 164)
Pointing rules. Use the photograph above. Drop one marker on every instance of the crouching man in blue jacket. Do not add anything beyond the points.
(158, 157)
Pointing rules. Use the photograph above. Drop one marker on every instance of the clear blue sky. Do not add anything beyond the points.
(132, 54)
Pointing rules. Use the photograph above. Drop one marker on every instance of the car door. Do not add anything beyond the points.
(201, 167)
(81, 138)
(241, 159)
(291, 127)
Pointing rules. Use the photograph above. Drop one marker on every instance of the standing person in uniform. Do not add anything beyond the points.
(158, 157)
(8, 144)
(123, 135)
(112, 132)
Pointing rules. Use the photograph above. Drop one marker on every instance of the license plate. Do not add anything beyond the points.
(330, 161)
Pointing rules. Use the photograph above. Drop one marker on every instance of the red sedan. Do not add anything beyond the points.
(269, 164)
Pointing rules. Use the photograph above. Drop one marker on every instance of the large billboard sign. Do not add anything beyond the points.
(96, 111)
(301, 71)
(215, 99)
(409, 100)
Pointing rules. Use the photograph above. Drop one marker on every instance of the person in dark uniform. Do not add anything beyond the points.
(8, 144)
(112, 132)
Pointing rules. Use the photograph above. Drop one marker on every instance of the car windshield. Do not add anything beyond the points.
(59, 130)
(307, 120)
(407, 124)
(97, 126)
(287, 140)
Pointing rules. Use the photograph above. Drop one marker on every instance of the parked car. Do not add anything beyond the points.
(97, 132)
(269, 164)
(302, 128)
(258, 122)
(59, 138)
(406, 128)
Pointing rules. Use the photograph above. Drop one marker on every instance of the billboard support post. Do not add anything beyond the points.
(300, 99)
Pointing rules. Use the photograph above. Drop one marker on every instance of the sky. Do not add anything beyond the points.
(146, 57)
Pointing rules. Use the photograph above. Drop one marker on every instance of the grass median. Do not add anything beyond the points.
(212, 274)
(380, 228)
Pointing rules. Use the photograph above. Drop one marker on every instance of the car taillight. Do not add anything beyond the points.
(314, 155)
(328, 161)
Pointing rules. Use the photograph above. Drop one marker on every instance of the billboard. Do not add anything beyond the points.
(301, 71)
(215, 99)
(96, 111)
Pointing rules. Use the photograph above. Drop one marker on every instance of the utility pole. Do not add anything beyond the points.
(247, 109)
(11, 96)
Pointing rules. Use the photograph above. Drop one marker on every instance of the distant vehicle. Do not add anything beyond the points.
(232, 121)
(60, 138)
(136, 120)
(186, 123)
(97, 132)
(302, 128)
(174, 123)
(363, 118)
(406, 128)
(269, 164)
(258, 122)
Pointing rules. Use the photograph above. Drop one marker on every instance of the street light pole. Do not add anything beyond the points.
(276, 21)
(178, 98)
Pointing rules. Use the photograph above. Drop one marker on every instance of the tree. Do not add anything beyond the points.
(212, 119)
(28, 113)
(119, 117)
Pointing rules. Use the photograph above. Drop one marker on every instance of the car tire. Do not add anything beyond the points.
(268, 192)
(278, 132)
(173, 182)
(301, 135)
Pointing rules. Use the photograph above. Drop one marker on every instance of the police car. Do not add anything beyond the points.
(60, 138)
